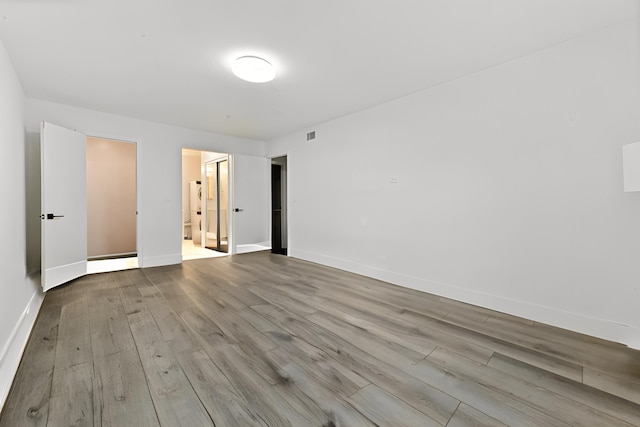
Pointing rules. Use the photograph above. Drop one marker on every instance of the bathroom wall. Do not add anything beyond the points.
(190, 172)
(111, 197)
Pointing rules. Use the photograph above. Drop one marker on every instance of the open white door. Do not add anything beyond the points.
(64, 205)
(251, 189)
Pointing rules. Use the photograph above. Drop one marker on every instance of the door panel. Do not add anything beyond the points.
(217, 230)
(250, 204)
(223, 206)
(276, 209)
(64, 205)
(211, 227)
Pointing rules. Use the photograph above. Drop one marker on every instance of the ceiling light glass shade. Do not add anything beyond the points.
(253, 69)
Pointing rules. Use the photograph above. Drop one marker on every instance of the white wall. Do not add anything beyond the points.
(20, 296)
(509, 194)
(160, 161)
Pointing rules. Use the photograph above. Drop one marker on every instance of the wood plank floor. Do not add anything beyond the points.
(265, 340)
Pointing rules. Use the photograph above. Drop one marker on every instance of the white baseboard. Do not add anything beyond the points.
(15, 345)
(158, 261)
(62, 274)
(243, 249)
(600, 328)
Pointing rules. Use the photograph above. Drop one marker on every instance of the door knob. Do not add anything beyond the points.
(238, 210)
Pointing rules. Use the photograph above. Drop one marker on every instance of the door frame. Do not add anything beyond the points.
(139, 214)
(203, 180)
(233, 249)
(286, 204)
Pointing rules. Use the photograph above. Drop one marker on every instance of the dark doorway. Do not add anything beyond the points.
(278, 206)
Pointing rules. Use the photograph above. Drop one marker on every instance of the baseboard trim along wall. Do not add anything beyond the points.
(262, 246)
(600, 328)
(15, 346)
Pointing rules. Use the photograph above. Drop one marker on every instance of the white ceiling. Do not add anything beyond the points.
(169, 60)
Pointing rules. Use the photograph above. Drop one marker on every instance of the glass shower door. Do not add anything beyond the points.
(217, 230)
(223, 205)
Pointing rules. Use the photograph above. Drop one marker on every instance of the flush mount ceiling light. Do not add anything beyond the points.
(253, 69)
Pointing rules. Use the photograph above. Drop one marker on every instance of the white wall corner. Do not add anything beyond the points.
(15, 346)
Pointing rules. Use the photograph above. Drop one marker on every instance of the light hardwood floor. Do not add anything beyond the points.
(266, 340)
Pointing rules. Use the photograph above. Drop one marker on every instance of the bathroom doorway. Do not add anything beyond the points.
(199, 196)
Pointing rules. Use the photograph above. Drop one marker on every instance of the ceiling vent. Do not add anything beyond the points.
(311, 135)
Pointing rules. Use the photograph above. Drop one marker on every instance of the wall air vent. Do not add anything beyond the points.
(311, 135)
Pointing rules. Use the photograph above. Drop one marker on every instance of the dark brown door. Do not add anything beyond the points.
(276, 210)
